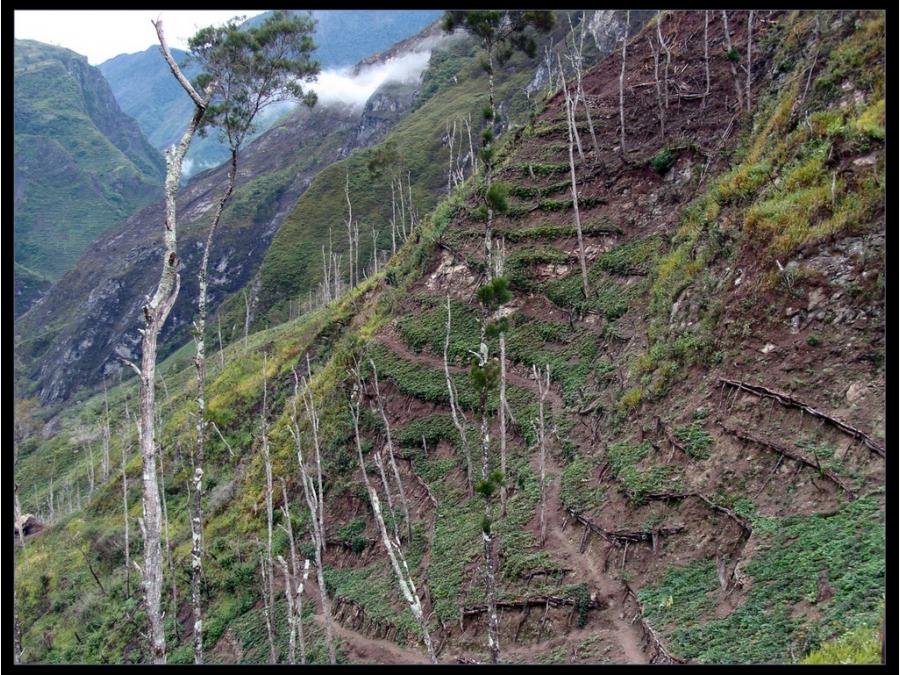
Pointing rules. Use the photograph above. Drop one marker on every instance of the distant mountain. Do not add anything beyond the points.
(146, 90)
(81, 164)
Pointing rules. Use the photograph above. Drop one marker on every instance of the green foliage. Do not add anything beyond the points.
(582, 599)
(696, 441)
(812, 340)
(349, 534)
(574, 490)
(860, 645)
(847, 547)
(733, 55)
(495, 293)
(624, 460)
(496, 197)
(662, 161)
(253, 67)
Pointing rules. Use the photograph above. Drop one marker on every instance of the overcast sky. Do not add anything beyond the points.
(103, 34)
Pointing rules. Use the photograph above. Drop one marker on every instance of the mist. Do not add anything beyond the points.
(342, 86)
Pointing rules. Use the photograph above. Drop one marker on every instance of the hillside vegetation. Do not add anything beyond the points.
(716, 419)
(81, 165)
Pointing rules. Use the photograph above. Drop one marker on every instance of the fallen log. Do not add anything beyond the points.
(769, 445)
(740, 520)
(536, 601)
(790, 402)
(661, 655)
(623, 536)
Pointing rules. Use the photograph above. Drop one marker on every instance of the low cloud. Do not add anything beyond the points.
(342, 86)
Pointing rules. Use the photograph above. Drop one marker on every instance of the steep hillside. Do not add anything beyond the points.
(146, 90)
(71, 338)
(715, 469)
(81, 165)
(29, 287)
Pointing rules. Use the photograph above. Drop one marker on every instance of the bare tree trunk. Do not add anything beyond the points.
(468, 122)
(221, 350)
(395, 554)
(246, 316)
(749, 55)
(486, 533)
(199, 451)
(622, 83)
(349, 226)
(313, 499)
(571, 121)
(170, 564)
(734, 74)
(289, 597)
(665, 47)
(390, 448)
(17, 631)
(543, 389)
(577, 60)
(267, 604)
(268, 464)
(125, 449)
(661, 113)
(374, 250)
(459, 419)
(105, 462)
(393, 219)
(90, 454)
(706, 52)
(295, 585)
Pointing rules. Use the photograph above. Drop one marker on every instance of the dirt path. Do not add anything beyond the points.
(364, 649)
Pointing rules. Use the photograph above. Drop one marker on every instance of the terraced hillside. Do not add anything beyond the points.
(715, 469)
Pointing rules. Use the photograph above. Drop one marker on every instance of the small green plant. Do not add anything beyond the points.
(812, 340)
(733, 55)
(662, 161)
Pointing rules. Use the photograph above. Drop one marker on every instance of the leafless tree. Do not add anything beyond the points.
(264, 564)
(660, 109)
(313, 497)
(706, 52)
(570, 118)
(734, 73)
(576, 58)
(622, 83)
(749, 65)
(499, 261)
(246, 316)
(171, 565)
(459, 418)
(392, 547)
(389, 444)
(539, 427)
(349, 227)
(104, 466)
(295, 584)
(665, 47)
(267, 460)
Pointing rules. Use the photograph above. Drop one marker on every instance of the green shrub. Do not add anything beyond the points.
(662, 161)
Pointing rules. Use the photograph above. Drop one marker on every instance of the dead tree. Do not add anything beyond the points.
(576, 58)
(246, 316)
(169, 562)
(486, 488)
(267, 460)
(749, 65)
(459, 418)
(622, 83)
(499, 260)
(125, 448)
(267, 602)
(295, 584)
(389, 444)
(665, 47)
(570, 119)
(734, 73)
(104, 466)
(349, 226)
(543, 390)
(313, 498)
(395, 553)
(706, 53)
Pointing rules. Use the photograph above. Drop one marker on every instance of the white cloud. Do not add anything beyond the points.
(103, 34)
(342, 86)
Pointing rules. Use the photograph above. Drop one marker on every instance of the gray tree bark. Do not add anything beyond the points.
(459, 419)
